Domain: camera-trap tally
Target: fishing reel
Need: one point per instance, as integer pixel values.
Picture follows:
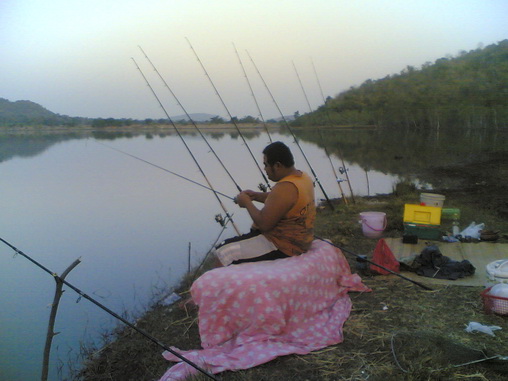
(262, 187)
(343, 170)
(221, 220)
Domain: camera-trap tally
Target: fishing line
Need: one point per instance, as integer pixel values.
(114, 314)
(292, 133)
(321, 137)
(228, 216)
(252, 93)
(167, 170)
(232, 198)
(263, 188)
(195, 272)
(190, 119)
(341, 156)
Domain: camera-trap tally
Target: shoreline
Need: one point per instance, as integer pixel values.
(160, 128)
(178, 326)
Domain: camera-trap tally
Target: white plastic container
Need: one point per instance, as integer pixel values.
(432, 199)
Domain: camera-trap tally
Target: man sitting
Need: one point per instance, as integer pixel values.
(284, 226)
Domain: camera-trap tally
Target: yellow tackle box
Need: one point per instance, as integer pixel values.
(420, 214)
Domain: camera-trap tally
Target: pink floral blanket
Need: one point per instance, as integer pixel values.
(252, 313)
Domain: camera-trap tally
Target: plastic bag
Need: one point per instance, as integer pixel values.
(488, 329)
(473, 230)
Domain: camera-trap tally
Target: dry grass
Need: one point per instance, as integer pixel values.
(397, 332)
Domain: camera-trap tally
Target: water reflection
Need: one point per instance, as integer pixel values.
(65, 196)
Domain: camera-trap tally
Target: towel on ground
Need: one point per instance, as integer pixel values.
(252, 313)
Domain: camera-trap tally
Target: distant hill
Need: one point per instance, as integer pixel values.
(27, 113)
(198, 117)
(19, 109)
(467, 91)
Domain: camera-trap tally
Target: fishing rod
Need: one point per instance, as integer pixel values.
(228, 216)
(109, 311)
(341, 156)
(363, 259)
(252, 93)
(321, 137)
(232, 198)
(292, 133)
(167, 170)
(265, 186)
(190, 119)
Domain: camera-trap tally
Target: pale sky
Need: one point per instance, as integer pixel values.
(74, 57)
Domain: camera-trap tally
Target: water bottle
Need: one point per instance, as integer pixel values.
(455, 229)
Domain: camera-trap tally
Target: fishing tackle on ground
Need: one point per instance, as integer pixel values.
(293, 134)
(341, 156)
(190, 119)
(321, 138)
(253, 96)
(229, 114)
(114, 314)
(186, 146)
(363, 259)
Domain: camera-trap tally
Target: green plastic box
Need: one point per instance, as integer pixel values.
(450, 214)
(430, 232)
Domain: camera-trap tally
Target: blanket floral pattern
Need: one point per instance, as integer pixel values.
(252, 313)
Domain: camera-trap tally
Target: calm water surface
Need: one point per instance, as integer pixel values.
(130, 223)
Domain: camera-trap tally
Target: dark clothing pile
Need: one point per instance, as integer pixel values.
(431, 263)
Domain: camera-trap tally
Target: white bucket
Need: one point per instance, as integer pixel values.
(373, 224)
(432, 199)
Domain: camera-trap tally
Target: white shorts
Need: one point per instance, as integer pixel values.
(249, 247)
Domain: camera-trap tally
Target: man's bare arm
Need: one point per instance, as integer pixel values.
(277, 203)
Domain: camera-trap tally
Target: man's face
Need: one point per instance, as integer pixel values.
(269, 169)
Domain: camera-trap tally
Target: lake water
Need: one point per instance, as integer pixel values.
(130, 223)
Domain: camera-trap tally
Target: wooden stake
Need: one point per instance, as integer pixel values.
(52, 317)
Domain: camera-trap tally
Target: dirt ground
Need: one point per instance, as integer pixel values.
(398, 331)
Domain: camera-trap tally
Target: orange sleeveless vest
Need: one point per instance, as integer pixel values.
(294, 233)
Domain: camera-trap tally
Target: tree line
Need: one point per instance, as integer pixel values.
(468, 91)
(27, 113)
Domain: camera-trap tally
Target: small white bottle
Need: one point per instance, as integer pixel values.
(455, 229)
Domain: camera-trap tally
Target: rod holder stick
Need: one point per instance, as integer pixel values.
(112, 313)
(52, 318)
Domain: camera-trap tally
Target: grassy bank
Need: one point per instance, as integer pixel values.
(397, 332)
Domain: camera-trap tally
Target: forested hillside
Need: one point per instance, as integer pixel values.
(469, 91)
(26, 113)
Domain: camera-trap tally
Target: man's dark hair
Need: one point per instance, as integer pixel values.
(279, 152)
